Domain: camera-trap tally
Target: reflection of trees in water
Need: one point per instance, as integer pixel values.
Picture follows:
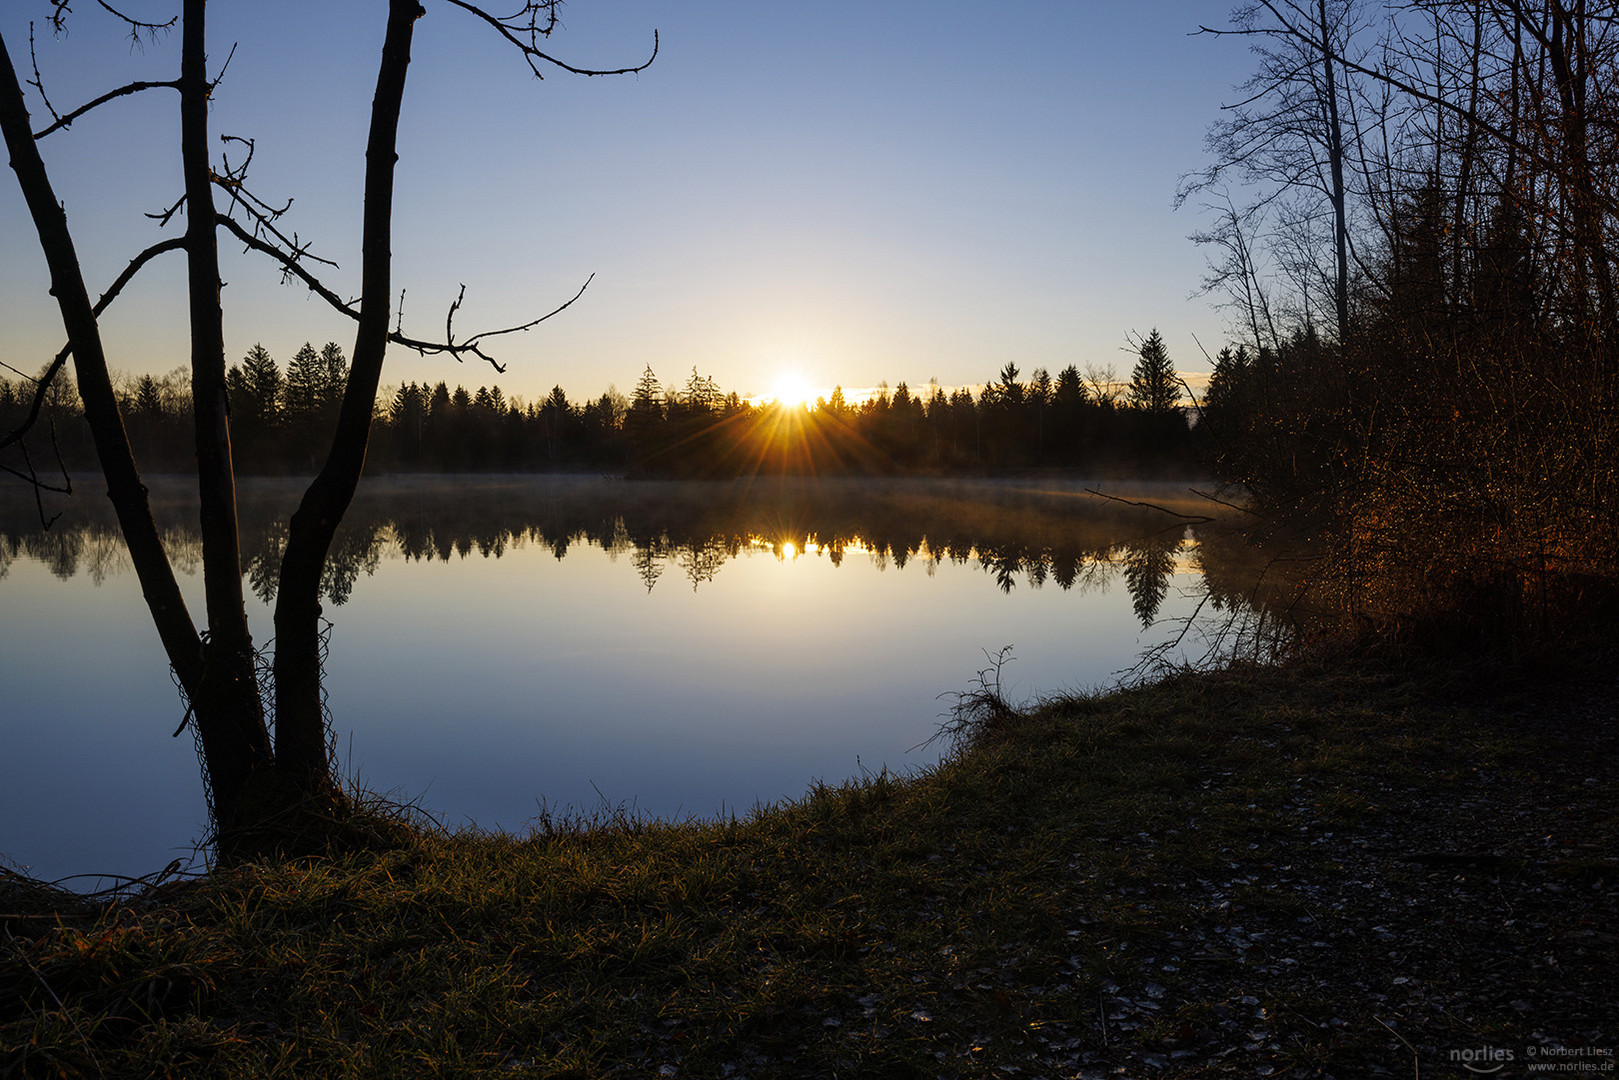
(648, 563)
(702, 559)
(1016, 534)
(1148, 564)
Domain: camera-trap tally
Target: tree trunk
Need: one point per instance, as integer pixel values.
(233, 748)
(300, 723)
(228, 711)
(1335, 163)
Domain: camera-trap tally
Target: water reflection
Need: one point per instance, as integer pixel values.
(1020, 534)
(686, 647)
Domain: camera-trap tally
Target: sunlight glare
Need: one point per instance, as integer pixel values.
(791, 389)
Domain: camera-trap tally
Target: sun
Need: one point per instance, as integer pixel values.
(791, 390)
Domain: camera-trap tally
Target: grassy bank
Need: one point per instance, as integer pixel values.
(1313, 871)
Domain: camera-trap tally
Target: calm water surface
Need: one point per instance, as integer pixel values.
(502, 644)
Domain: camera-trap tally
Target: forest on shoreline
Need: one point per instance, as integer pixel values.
(282, 420)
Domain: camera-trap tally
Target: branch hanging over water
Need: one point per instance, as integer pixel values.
(1196, 519)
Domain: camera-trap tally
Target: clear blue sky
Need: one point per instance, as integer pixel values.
(894, 190)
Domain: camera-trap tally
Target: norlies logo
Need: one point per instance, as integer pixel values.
(1483, 1060)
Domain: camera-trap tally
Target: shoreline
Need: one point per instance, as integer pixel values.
(1333, 868)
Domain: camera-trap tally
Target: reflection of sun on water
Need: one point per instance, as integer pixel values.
(788, 550)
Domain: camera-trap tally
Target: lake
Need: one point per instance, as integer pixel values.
(503, 644)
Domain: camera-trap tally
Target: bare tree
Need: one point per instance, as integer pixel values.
(262, 792)
(1101, 382)
(1468, 455)
(1236, 271)
(1294, 131)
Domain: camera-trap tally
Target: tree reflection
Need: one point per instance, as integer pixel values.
(1020, 536)
(701, 560)
(648, 565)
(1148, 564)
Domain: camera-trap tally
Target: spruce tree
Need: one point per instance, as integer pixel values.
(1154, 386)
(646, 406)
(334, 376)
(263, 387)
(306, 381)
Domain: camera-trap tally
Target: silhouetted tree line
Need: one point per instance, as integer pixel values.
(278, 418)
(694, 430)
(1425, 281)
(1011, 423)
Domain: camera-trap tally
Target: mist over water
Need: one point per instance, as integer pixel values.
(499, 644)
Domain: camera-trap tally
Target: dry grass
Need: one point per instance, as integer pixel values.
(1145, 880)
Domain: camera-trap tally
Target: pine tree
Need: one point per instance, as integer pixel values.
(702, 394)
(1228, 383)
(1071, 414)
(334, 376)
(237, 393)
(555, 416)
(1070, 387)
(306, 381)
(837, 406)
(1154, 386)
(148, 402)
(646, 406)
(263, 388)
(1009, 393)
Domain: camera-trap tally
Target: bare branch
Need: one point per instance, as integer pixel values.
(475, 338)
(514, 30)
(1223, 502)
(43, 383)
(217, 79)
(31, 478)
(449, 318)
(291, 265)
(138, 29)
(163, 217)
(111, 95)
(1195, 519)
(264, 216)
(38, 82)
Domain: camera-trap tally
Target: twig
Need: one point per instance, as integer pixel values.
(1416, 1061)
(513, 31)
(289, 263)
(1195, 519)
(111, 95)
(1222, 502)
(44, 381)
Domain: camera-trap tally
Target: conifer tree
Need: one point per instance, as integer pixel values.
(334, 376)
(262, 385)
(306, 384)
(1154, 387)
(646, 406)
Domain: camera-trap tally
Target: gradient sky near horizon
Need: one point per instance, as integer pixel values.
(899, 191)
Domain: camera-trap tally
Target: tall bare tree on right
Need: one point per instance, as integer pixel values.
(1461, 428)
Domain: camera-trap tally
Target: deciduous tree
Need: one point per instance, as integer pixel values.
(256, 785)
